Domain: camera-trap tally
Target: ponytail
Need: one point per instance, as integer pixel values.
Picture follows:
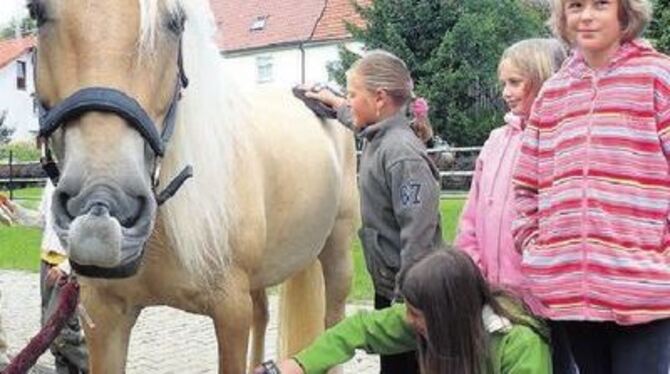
(418, 112)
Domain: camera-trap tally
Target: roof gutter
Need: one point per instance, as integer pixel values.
(283, 45)
(303, 62)
(301, 46)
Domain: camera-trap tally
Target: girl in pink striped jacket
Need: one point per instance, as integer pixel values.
(484, 230)
(592, 188)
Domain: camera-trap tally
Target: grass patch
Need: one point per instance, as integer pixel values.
(19, 246)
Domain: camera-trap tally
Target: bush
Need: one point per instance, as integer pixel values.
(21, 152)
(659, 32)
(452, 48)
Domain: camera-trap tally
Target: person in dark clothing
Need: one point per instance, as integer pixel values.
(398, 182)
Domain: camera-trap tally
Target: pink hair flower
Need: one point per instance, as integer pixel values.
(420, 108)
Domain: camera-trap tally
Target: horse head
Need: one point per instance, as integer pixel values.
(108, 77)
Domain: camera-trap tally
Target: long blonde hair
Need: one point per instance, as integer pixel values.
(537, 59)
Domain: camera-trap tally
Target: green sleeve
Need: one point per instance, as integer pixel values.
(522, 351)
(382, 331)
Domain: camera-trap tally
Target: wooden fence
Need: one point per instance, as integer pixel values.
(455, 175)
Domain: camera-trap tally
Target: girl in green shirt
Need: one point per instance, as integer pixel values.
(457, 323)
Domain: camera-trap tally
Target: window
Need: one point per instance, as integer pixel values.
(264, 69)
(20, 75)
(258, 24)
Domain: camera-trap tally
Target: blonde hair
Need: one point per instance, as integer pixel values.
(537, 59)
(382, 70)
(634, 16)
(422, 129)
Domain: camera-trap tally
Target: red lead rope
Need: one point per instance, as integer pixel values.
(67, 304)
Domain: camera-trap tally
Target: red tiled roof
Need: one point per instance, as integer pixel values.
(332, 24)
(288, 21)
(11, 49)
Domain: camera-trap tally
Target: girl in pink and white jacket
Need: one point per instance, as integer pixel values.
(592, 189)
(484, 230)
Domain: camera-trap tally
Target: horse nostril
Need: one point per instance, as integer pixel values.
(62, 199)
(139, 209)
(99, 209)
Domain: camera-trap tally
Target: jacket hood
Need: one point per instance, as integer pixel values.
(577, 67)
(517, 122)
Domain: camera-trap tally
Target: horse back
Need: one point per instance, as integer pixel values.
(304, 177)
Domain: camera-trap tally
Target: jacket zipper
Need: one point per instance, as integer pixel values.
(585, 173)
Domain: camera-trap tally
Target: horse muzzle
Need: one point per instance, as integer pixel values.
(106, 237)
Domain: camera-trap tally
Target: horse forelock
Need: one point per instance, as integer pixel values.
(150, 19)
(209, 134)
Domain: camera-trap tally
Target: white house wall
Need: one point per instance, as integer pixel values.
(286, 73)
(18, 103)
(286, 64)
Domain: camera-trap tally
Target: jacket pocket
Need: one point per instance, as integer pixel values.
(379, 262)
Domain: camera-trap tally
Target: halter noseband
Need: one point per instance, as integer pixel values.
(111, 100)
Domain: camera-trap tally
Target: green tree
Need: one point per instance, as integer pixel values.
(659, 30)
(26, 27)
(452, 48)
(22, 151)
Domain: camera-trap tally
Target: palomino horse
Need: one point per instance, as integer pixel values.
(273, 194)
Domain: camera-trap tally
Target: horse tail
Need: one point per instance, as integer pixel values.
(301, 310)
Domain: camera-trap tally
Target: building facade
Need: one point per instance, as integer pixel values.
(283, 43)
(17, 87)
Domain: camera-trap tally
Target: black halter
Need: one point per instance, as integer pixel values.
(105, 99)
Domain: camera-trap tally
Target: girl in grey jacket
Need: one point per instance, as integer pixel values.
(399, 184)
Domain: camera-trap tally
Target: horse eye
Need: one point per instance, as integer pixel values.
(176, 22)
(37, 12)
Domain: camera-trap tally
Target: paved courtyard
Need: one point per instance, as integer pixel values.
(164, 340)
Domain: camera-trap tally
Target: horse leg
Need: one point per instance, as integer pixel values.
(337, 269)
(232, 314)
(259, 326)
(108, 340)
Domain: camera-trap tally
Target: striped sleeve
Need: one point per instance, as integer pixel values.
(526, 183)
(662, 97)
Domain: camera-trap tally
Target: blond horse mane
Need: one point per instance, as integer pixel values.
(196, 221)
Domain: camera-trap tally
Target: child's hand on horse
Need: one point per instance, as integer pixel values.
(325, 95)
